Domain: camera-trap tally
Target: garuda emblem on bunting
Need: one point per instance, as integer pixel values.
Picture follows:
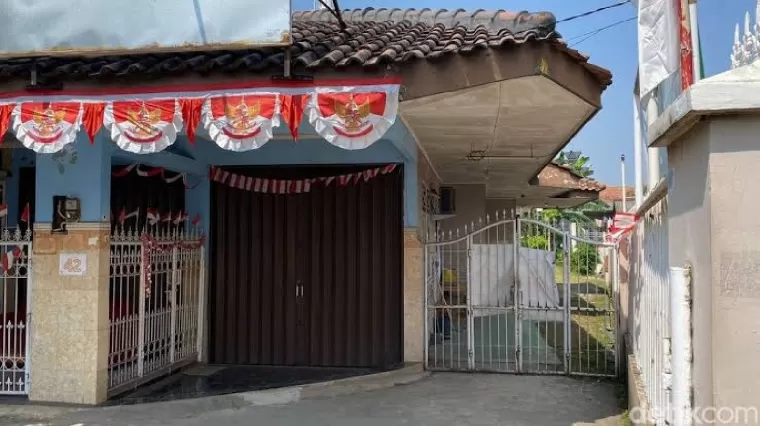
(242, 122)
(47, 127)
(353, 120)
(143, 127)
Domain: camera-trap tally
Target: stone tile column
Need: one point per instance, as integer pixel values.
(69, 313)
(70, 336)
(414, 297)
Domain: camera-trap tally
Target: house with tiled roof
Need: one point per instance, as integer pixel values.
(613, 197)
(261, 203)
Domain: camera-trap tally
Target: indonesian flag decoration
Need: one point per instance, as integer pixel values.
(241, 122)
(352, 119)
(153, 216)
(10, 258)
(167, 217)
(293, 186)
(3, 210)
(622, 223)
(143, 127)
(123, 215)
(180, 218)
(46, 127)
(196, 220)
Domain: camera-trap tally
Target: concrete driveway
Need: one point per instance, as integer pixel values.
(441, 399)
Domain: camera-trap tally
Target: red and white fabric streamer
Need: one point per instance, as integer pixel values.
(348, 114)
(622, 223)
(354, 119)
(156, 171)
(293, 186)
(149, 245)
(10, 258)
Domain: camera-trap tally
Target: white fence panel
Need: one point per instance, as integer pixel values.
(15, 313)
(157, 281)
(649, 313)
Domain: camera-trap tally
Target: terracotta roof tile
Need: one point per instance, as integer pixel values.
(371, 38)
(577, 182)
(615, 193)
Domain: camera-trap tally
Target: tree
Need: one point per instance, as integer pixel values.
(579, 163)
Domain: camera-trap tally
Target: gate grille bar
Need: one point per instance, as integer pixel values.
(520, 296)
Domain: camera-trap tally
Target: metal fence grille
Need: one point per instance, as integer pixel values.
(519, 295)
(649, 315)
(15, 286)
(157, 281)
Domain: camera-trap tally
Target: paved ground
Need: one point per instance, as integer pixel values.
(441, 399)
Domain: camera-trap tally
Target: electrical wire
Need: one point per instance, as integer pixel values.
(585, 36)
(592, 12)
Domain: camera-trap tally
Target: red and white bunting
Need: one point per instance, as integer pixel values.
(3, 210)
(143, 127)
(241, 122)
(47, 127)
(180, 218)
(293, 186)
(153, 216)
(10, 258)
(350, 115)
(123, 215)
(196, 220)
(622, 223)
(156, 171)
(353, 119)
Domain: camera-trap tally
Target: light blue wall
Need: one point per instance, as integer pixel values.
(89, 178)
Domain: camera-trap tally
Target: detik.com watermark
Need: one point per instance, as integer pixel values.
(700, 415)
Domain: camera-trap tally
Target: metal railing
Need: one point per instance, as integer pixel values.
(15, 286)
(648, 300)
(520, 296)
(157, 283)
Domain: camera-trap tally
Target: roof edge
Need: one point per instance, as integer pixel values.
(499, 19)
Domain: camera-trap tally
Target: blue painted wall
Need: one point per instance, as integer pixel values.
(83, 172)
(88, 177)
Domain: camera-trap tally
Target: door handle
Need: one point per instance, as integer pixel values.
(299, 288)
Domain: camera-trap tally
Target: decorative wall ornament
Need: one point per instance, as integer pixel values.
(746, 46)
(348, 114)
(67, 155)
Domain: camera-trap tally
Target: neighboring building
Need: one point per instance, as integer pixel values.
(613, 197)
(299, 242)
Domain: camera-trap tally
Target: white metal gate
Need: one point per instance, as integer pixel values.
(156, 305)
(15, 313)
(560, 318)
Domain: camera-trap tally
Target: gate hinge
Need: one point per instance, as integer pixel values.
(469, 253)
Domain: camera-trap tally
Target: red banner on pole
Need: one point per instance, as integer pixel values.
(687, 50)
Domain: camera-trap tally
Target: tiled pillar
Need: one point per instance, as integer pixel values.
(414, 302)
(69, 313)
(70, 316)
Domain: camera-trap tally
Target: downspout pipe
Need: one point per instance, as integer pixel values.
(680, 346)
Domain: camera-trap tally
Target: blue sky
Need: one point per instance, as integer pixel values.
(610, 133)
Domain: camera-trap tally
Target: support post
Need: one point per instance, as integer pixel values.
(696, 53)
(653, 153)
(638, 144)
(70, 330)
(680, 344)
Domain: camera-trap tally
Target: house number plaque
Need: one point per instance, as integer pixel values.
(72, 264)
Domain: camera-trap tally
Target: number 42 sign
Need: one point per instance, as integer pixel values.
(72, 264)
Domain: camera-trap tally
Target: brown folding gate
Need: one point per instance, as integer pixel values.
(310, 279)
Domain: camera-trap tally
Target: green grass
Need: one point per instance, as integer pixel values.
(591, 340)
